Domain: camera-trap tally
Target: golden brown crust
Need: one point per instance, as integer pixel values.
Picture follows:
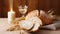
(32, 13)
(45, 18)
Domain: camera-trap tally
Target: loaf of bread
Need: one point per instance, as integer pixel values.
(31, 19)
(32, 13)
(45, 18)
(31, 24)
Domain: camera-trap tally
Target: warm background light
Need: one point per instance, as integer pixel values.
(32, 4)
(11, 10)
(11, 4)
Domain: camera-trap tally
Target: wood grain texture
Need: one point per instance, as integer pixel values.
(5, 7)
(44, 5)
(55, 5)
(1, 8)
(32, 5)
(15, 6)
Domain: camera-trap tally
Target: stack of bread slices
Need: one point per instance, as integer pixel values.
(34, 20)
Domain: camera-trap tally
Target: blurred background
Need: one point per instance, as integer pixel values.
(32, 5)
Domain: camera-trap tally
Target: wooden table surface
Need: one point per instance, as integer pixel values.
(4, 25)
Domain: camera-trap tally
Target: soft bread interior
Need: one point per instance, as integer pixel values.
(32, 13)
(26, 24)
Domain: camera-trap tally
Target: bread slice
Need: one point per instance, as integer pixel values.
(26, 24)
(32, 13)
(33, 22)
(37, 22)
